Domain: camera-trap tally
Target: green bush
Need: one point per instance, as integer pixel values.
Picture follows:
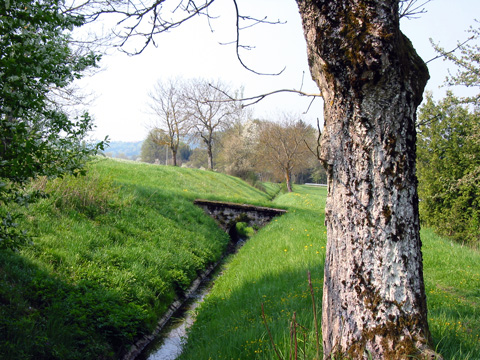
(448, 162)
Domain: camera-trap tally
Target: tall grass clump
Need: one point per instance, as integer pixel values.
(91, 194)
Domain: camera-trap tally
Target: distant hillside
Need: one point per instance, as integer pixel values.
(124, 149)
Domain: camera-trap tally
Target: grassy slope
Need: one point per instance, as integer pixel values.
(112, 250)
(101, 271)
(271, 269)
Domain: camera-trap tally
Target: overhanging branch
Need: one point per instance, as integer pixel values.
(257, 98)
(237, 41)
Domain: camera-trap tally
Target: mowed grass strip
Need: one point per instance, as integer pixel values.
(111, 252)
(452, 282)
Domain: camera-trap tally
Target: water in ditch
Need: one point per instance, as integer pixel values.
(169, 344)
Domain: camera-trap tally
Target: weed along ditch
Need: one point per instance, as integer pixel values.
(167, 341)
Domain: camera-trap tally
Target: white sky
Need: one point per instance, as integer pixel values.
(192, 50)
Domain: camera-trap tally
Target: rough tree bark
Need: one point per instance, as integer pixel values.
(372, 81)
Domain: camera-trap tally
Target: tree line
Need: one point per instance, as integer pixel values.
(200, 114)
(448, 151)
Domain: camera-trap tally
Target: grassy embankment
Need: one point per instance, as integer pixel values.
(112, 251)
(102, 271)
(271, 269)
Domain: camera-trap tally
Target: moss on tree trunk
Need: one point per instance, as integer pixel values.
(372, 81)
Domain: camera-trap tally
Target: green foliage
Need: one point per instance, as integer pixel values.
(448, 161)
(36, 137)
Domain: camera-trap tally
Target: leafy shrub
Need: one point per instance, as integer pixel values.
(448, 162)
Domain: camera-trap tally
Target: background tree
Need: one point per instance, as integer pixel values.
(167, 102)
(152, 152)
(237, 149)
(36, 136)
(448, 162)
(209, 111)
(319, 175)
(198, 158)
(282, 148)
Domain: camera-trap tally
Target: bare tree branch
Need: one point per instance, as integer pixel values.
(238, 45)
(257, 98)
(148, 18)
(410, 10)
(319, 137)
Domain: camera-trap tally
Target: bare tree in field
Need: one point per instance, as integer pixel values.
(372, 81)
(168, 105)
(282, 148)
(208, 111)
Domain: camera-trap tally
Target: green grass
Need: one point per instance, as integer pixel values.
(186, 183)
(113, 249)
(452, 282)
(111, 252)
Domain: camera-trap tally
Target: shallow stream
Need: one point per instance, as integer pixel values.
(169, 344)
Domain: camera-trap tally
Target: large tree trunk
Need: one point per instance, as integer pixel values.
(372, 81)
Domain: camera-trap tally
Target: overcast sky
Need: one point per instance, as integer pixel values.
(193, 50)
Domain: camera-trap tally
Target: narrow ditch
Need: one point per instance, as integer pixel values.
(171, 334)
(168, 345)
